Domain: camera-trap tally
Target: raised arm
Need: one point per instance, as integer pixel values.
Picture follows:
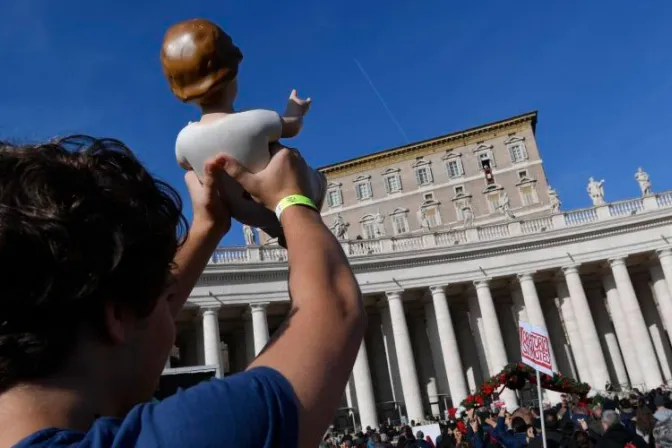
(316, 348)
(292, 120)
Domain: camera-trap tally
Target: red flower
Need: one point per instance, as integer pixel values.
(480, 400)
(470, 398)
(452, 412)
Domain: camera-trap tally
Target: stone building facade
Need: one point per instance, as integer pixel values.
(444, 300)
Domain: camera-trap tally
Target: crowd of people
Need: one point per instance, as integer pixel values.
(634, 421)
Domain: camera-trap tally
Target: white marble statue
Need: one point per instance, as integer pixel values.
(339, 228)
(424, 222)
(468, 216)
(379, 220)
(596, 191)
(250, 238)
(642, 178)
(554, 200)
(505, 205)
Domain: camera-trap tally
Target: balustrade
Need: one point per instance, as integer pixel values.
(459, 236)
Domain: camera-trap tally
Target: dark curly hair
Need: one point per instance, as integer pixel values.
(82, 223)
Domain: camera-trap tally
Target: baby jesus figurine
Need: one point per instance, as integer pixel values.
(201, 64)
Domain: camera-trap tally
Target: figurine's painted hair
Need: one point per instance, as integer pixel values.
(82, 223)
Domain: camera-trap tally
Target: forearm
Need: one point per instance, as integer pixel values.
(291, 126)
(191, 259)
(317, 347)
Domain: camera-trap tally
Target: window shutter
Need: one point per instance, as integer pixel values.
(401, 186)
(387, 184)
(330, 202)
(418, 179)
(429, 173)
(340, 197)
(492, 159)
(358, 191)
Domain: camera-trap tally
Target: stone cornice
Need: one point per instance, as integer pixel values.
(249, 272)
(425, 147)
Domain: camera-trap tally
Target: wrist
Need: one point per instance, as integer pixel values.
(206, 227)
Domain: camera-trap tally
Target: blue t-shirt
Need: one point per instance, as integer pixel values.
(252, 409)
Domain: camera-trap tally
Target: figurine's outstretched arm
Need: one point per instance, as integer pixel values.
(292, 120)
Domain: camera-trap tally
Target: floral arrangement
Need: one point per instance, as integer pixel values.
(515, 376)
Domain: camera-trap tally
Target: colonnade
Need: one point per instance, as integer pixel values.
(601, 333)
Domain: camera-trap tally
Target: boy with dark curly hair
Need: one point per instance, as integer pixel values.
(96, 263)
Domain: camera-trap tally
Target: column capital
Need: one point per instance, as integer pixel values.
(209, 310)
(664, 252)
(482, 283)
(526, 276)
(438, 289)
(616, 261)
(570, 269)
(394, 295)
(258, 307)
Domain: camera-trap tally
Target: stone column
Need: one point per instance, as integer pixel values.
(519, 310)
(589, 337)
(571, 325)
(636, 325)
(655, 326)
(536, 317)
(211, 339)
(620, 322)
(259, 326)
(665, 257)
(493, 335)
(364, 389)
(661, 289)
(607, 334)
(476, 326)
(405, 359)
(449, 349)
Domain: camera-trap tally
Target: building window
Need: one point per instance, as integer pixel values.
(428, 196)
(459, 190)
(400, 221)
(522, 174)
(392, 183)
(517, 150)
(363, 187)
(493, 201)
(454, 165)
(528, 195)
(423, 171)
(485, 159)
(460, 206)
(432, 216)
(429, 210)
(423, 175)
(368, 227)
(334, 197)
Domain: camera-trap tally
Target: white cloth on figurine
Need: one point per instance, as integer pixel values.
(243, 135)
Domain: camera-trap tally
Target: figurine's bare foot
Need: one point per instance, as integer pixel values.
(297, 107)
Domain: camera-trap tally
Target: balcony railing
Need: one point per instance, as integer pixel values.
(461, 235)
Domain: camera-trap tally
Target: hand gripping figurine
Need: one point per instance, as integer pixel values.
(201, 64)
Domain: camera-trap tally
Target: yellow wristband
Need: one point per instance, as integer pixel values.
(293, 199)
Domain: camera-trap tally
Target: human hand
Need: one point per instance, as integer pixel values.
(583, 424)
(285, 174)
(297, 107)
(474, 424)
(208, 207)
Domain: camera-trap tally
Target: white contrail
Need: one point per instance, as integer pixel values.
(382, 101)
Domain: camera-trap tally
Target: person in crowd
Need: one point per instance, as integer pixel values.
(420, 441)
(616, 434)
(581, 439)
(95, 265)
(662, 433)
(662, 413)
(554, 437)
(385, 441)
(644, 423)
(627, 412)
(511, 432)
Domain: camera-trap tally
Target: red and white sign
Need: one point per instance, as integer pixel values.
(535, 347)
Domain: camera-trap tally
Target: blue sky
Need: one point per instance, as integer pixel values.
(598, 72)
